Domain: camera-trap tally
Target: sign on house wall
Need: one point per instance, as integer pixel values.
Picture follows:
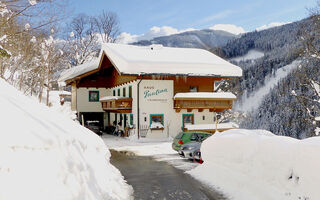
(156, 92)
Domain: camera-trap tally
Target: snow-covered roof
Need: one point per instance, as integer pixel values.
(205, 95)
(156, 59)
(211, 126)
(106, 98)
(159, 60)
(79, 70)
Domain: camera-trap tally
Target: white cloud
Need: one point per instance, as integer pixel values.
(229, 28)
(215, 16)
(155, 31)
(271, 25)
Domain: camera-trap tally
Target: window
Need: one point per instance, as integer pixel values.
(130, 91)
(187, 119)
(119, 92)
(156, 121)
(124, 92)
(93, 96)
(114, 92)
(193, 89)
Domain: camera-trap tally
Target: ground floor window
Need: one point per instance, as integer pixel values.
(187, 119)
(156, 121)
(93, 96)
(131, 119)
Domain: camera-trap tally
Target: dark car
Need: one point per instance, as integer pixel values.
(94, 126)
(186, 137)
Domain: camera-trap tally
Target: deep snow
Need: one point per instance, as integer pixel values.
(256, 164)
(45, 155)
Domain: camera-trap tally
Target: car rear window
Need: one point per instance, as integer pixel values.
(179, 136)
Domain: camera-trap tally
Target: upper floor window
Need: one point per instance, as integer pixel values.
(114, 92)
(130, 91)
(93, 96)
(124, 92)
(119, 92)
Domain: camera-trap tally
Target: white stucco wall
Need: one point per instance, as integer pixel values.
(83, 104)
(151, 102)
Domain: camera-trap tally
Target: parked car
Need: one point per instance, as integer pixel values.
(94, 126)
(186, 137)
(197, 156)
(187, 150)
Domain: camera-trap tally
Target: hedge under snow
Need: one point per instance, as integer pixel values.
(44, 155)
(256, 164)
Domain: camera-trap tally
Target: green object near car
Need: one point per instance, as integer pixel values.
(185, 137)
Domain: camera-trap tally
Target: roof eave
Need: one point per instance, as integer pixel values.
(191, 75)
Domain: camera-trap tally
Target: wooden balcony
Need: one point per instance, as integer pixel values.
(116, 104)
(215, 102)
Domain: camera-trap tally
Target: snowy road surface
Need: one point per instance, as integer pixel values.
(153, 179)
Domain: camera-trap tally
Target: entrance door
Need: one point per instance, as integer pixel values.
(187, 119)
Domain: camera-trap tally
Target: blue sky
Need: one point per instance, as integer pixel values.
(138, 16)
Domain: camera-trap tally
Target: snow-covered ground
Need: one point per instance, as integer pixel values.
(160, 150)
(256, 164)
(251, 55)
(45, 155)
(248, 104)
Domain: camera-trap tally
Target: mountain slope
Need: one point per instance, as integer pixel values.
(205, 39)
(278, 110)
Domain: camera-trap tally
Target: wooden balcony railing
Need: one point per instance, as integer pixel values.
(214, 103)
(117, 104)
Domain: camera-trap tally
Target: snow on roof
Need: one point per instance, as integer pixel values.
(205, 95)
(106, 98)
(159, 60)
(211, 126)
(79, 70)
(156, 59)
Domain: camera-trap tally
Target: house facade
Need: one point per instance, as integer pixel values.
(150, 91)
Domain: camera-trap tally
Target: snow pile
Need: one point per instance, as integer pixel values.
(220, 126)
(64, 109)
(256, 164)
(45, 155)
(155, 125)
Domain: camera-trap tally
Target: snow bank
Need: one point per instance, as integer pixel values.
(255, 164)
(45, 155)
(230, 125)
(55, 105)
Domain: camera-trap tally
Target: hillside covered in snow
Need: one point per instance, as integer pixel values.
(45, 155)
